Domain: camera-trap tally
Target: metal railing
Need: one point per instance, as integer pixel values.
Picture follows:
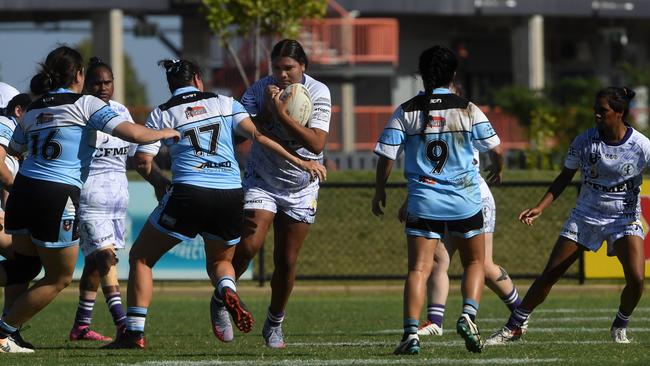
(370, 121)
(335, 41)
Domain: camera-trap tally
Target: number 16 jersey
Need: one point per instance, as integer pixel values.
(438, 133)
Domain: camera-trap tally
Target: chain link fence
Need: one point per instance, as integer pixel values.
(348, 242)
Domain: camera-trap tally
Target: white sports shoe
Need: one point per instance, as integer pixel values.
(524, 326)
(273, 336)
(11, 347)
(429, 329)
(221, 326)
(503, 336)
(619, 335)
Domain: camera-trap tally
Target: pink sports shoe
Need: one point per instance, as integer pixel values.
(87, 334)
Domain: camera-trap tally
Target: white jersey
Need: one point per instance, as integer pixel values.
(7, 126)
(485, 189)
(611, 175)
(273, 169)
(7, 92)
(105, 193)
(111, 152)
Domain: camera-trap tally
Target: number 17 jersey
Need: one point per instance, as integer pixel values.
(438, 133)
(205, 155)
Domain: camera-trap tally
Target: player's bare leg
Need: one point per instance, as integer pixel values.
(256, 225)
(225, 301)
(437, 291)
(148, 248)
(630, 252)
(564, 254)
(472, 256)
(289, 236)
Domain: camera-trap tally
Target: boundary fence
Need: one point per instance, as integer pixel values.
(348, 243)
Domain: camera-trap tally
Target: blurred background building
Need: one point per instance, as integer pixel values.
(366, 51)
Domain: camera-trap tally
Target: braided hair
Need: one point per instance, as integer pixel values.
(180, 73)
(437, 66)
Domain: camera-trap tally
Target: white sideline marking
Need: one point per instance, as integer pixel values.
(611, 310)
(433, 343)
(532, 329)
(353, 361)
(549, 319)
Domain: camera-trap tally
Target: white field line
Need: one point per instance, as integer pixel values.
(532, 329)
(433, 343)
(353, 361)
(563, 318)
(611, 310)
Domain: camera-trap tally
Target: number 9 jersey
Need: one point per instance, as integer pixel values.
(438, 133)
(205, 155)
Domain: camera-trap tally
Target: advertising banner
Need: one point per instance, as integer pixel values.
(186, 261)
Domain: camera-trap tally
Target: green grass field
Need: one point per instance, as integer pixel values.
(346, 324)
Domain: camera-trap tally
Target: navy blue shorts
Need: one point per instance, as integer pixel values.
(45, 210)
(435, 229)
(187, 210)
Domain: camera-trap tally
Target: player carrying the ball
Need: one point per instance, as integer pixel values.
(276, 191)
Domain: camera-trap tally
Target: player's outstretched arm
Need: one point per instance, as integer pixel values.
(529, 215)
(133, 132)
(316, 169)
(150, 171)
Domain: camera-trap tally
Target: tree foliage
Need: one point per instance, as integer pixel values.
(553, 117)
(229, 19)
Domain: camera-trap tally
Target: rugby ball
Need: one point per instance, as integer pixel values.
(298, 103)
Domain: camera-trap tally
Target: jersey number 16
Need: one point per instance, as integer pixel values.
(50, 149)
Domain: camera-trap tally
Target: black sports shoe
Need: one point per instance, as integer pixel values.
(127, 340)
(20, 341)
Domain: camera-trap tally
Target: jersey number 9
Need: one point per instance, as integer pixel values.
(437, 152)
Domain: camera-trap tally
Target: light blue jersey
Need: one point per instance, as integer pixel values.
(58, 132)
(205, 155)
(7, 126)
(438, 133)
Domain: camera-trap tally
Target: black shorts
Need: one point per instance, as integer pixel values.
(45, 210)
(186, 211)
(435, 229)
